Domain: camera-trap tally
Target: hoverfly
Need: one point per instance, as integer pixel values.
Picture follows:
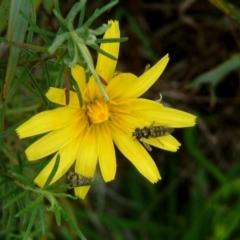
(77, 180)
(151, 132)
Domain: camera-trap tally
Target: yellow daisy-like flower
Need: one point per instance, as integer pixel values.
(86, 134)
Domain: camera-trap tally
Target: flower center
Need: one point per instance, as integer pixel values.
(97, 111)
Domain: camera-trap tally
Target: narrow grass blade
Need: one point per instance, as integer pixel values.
(52, 174)
(42, 219)
(57, 214)
(16, 198)
(4, 13)
(99, 50)
(16, 84)
(215, 75)
(72, 224)
(30, 224)
(16, 31)
(98, 12)
(31, 206)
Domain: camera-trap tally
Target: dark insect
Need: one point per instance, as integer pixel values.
(77, 180)
(151, 132)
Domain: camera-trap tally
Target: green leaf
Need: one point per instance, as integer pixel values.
(61, 19)
(11, 216)
(47, 75)
(22, 179)
(60, 76)
(53, 172)
(17, 111)
(227, 8)
(8, 152)
(99, 50)
(57, 187)
(2, 126)
(30, 224)
(61, 57)
(16, 198)
(28, 47)
(42, 219)
(74, 11)
(4, 216)
(98, 12)
(41, 31)
(57, 214)
(111, 40)
(4, 13)
(16, 31)
(51, 199)
(56, 4)
(58, 41)
(35, 26)
(96, 182)
(34, 19)
(64, 195)
(82, 14)
(78, 91)
(32, 205)
(20, 163)
(72, 224)
(16, 84)
(25, 218)
(215, 75)
(73, 53)
(40, 91)
(25, 47)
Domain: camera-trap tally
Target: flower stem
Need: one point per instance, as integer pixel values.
(88, 59)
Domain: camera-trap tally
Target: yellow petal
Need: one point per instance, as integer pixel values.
(137, 154)
(148, 78)
(54, 141)
(122, 86)
(92, 91)
(81, 192)
(78, 74)
(48, 121)
(106, 66)
(58, 96)
(68, 155)
(152, 111)
(107, 158)
(168, 143)
(126, 121)
(175, 118)
(87, 159)
(126, 85)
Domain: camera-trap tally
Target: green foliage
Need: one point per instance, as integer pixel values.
(23, 200)
(198, 197)
(77, 52)
(4, 12)
(227, 8)
(16, 31)
(214, 76)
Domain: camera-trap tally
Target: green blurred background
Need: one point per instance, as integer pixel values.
(198, 196)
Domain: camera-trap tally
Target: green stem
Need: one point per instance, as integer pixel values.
(87, 57)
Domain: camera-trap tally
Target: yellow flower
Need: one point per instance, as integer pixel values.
(86, 134)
